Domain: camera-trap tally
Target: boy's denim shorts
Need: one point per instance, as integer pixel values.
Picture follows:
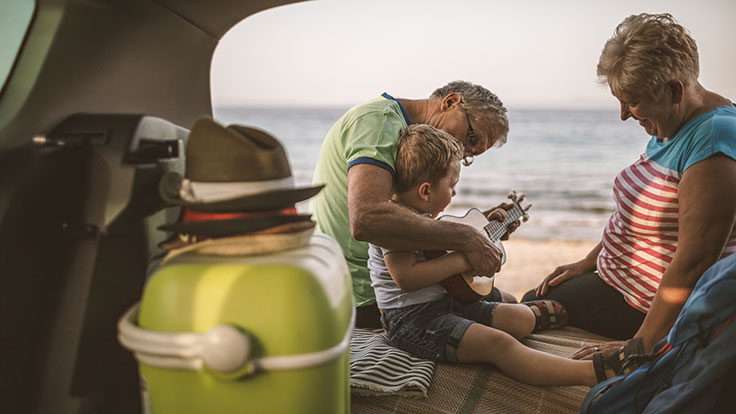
(433, 330)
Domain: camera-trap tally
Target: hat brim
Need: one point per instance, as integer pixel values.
(232, 227)
(277, 199)
(248, 244)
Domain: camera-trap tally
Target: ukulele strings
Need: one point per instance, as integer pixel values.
(496, 229)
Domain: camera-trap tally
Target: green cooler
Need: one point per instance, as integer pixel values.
(245, 334)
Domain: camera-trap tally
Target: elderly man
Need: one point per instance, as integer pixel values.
(357, 164)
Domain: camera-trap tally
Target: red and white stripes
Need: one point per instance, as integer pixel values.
(640, 238)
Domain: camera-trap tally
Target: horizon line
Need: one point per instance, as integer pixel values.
(548, 107)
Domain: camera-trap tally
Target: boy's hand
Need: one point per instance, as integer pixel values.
(499, 214)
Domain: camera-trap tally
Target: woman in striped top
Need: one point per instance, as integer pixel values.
(675, 206)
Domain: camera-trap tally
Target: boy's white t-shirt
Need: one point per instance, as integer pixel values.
(388, 294)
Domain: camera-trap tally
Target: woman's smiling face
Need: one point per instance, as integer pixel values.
(656, 115)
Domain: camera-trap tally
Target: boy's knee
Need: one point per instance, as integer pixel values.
(518, 320)
(526, 321)
(483, 344)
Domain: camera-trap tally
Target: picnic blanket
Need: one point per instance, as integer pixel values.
(480, 388)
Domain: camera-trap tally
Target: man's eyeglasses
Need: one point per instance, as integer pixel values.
(471, 141)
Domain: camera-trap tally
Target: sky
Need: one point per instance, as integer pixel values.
(533, 54)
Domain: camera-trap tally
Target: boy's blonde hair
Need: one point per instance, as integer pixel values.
(424, 153)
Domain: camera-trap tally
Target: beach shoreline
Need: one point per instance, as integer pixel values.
(529, 261)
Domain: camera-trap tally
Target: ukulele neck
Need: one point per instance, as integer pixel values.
(496, 229)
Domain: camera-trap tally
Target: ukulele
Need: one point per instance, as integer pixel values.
(468, 289)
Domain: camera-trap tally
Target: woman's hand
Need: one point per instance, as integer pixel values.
(605, 349)
(569, 271)
(563, 273)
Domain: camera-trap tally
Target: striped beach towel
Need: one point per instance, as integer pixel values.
(377, 368)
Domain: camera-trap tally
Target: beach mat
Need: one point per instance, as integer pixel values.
(479, 388)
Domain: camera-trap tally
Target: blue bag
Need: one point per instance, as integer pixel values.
(692, 369)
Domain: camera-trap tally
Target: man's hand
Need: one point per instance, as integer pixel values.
(485, 259)
(499, 213)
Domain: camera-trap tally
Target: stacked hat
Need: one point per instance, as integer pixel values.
(237, 193)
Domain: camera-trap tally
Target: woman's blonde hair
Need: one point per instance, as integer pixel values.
(424, 153)
(645, 53)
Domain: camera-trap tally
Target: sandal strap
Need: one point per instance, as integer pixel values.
(599, 367)
(635, 355)
(549, 314)
(627, 358)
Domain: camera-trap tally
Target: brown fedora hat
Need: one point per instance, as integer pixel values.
(234, 168)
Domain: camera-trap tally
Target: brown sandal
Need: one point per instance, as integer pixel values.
(549, 314)
(622, 362)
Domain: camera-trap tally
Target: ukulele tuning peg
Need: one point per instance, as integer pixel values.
(521, 197)
(512, 195)
(525, 218)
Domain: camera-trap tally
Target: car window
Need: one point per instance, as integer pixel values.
(15, 16)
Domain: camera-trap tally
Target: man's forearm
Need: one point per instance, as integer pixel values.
(373, 218)
(396, 227)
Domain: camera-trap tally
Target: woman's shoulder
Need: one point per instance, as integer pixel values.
(723, 132)
(716, 135)
(709, 133)
(724, 135)
(724, 120)
(716, 124)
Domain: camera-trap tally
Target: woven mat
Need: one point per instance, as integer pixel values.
(476, 388)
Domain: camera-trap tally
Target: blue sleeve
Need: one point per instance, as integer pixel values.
(724, 135)
(371, 161)
(718, 136)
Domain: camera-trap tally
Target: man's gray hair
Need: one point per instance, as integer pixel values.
(479, 99)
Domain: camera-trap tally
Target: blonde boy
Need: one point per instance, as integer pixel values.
(418, 315)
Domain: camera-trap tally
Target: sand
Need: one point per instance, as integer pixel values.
(529, 261)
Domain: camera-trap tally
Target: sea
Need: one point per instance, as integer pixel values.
(563, 161)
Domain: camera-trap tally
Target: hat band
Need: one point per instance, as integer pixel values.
(201, 192)
(189, 215)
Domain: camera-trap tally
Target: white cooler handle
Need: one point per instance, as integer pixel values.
(224, 349)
